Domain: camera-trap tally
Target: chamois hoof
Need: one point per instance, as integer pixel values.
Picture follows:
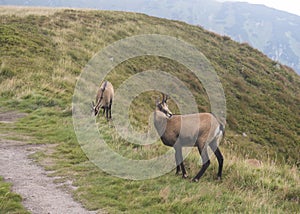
(219, 178)
(184, 176)
(195, 180)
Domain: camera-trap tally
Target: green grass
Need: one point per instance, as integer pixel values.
(10, 202)
(42, 55)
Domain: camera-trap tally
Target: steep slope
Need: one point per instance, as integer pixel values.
(44, 52)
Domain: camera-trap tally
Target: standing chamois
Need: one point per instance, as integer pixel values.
(104, 99)
(198, 130)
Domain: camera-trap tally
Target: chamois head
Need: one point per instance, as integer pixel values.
(99, 98)
(94, 109)
(163, 106)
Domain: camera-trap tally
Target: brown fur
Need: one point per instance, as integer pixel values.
(195, 126)
(104, 99)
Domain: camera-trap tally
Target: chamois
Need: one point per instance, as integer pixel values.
(104, 99)
(197, 130)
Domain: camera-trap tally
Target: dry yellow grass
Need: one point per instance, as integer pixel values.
(25, 11)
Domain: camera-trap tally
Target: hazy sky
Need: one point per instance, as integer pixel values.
(291, 6)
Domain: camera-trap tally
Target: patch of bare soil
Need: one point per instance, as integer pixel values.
(41, 195)
(10, 116)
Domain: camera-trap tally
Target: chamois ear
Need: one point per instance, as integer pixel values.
(157, 101)
(167, 97)
(163, 98)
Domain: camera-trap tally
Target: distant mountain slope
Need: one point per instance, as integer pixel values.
(274, 32)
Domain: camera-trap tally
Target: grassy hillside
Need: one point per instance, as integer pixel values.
(43, 53)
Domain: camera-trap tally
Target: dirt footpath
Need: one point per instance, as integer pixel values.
(39, 192)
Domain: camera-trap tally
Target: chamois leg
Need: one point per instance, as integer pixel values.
(110, 104)
(106, 111)
(177, 169)
(109, 111)
(220, 160)
(179, 161)
(219, 156)
(205, 161)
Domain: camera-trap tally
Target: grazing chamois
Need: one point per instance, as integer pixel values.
(198, 130)
(104, 99)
